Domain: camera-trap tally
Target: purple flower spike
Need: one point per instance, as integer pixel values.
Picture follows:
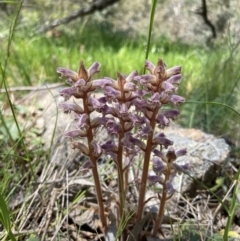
(158, 165)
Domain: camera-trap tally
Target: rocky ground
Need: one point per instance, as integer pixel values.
(57, 209)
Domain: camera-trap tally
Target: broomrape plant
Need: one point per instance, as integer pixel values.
(129, 109)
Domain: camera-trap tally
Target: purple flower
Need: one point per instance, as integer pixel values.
(155, 178)
(181, 152)
(98, 121)
(181, 168)
(93, 69)
(113, 128)
(82, 121)
(139, 120)
(67, 74)
(173, 71)
(97, 105)
(112, 93)
(146, 79)
(158, 153)
(158, 165)
(80, 83)
(150, 66)
(72, 77)
(102, 82)
(82, 147)
(109, 146)
(129, 86)
(144, 131)
(140, 104)
(167, 87)
(68, 107)
(71, 91)
(176, 99)
(169, 187)
(161, 140)
(154, 100)
(131, 76)
(97, 150)
(162, 120)
(171, 114)
(175, 79)
(75, 133)
(124, 114)
(86, 166)
(129, 142)
(171, 155)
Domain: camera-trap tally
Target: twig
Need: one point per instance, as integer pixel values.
(96, 6)
(49, 213)
(204, 14)
(32, 88)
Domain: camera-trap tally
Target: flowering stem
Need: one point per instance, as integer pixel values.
(94, 168)
(120, 179)
(162, 203)
(142, 188)
(99, 193)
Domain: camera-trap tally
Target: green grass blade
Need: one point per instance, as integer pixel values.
(232, 207)
(5, 218)
(214, 103)
(152, 14)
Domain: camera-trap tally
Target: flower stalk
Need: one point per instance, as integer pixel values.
(129, 110)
